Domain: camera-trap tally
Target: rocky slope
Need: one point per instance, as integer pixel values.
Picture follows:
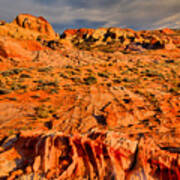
(88, 104)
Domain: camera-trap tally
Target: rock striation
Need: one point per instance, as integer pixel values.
(96, 155)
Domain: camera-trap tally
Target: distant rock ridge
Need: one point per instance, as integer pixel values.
(26, 26)
(123, 38)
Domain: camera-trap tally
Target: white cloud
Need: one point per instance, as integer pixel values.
(171, 22)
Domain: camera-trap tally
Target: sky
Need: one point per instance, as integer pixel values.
(65, 14)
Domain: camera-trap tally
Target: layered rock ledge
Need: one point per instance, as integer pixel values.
(95, 155)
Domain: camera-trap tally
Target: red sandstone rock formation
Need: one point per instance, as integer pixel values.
(167, 31)
(96, 155)
(121, 37)
(15, 48)
(33, 23)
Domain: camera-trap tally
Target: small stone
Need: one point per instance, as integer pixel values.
(15, 174)
(28, 169)
(37, 163)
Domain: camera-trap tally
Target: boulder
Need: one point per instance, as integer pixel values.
(69, 33)
(2, 22)
(170, 45)
(99, 33)
(85, 32)
(118, 32)
(11, 48)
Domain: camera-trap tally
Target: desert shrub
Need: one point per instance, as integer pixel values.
(151, 73)
(36, 96)
(68, 67)
(51, 83)
(103, 74)
(117, 81)
(12, 72)
(45, 69)
(49, 124)
(45, 85)
(25, 76)
(17, 70)
(70, 73)
(89, 70)
(127, 80)
(17, 86)
(174, 90)
(169, 61)
(77, 80)
(12, 98)
(109, 84)
(11, 132)
(7, 73)
(43, 111)
(90, 80)
(63, 75)
(53, 91)
(4, 91)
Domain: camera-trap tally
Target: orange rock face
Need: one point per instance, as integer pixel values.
(38, 24)
(96, 155)
(70, 32)
(90, 104)
(16, 48)
(80, 32)
(167, 31)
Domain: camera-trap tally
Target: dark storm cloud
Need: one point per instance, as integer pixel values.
(46, 2)
(136, 14)
(81, 3)
(77, 24)
(94, 3)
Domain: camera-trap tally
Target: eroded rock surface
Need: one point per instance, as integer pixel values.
(95, 155)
